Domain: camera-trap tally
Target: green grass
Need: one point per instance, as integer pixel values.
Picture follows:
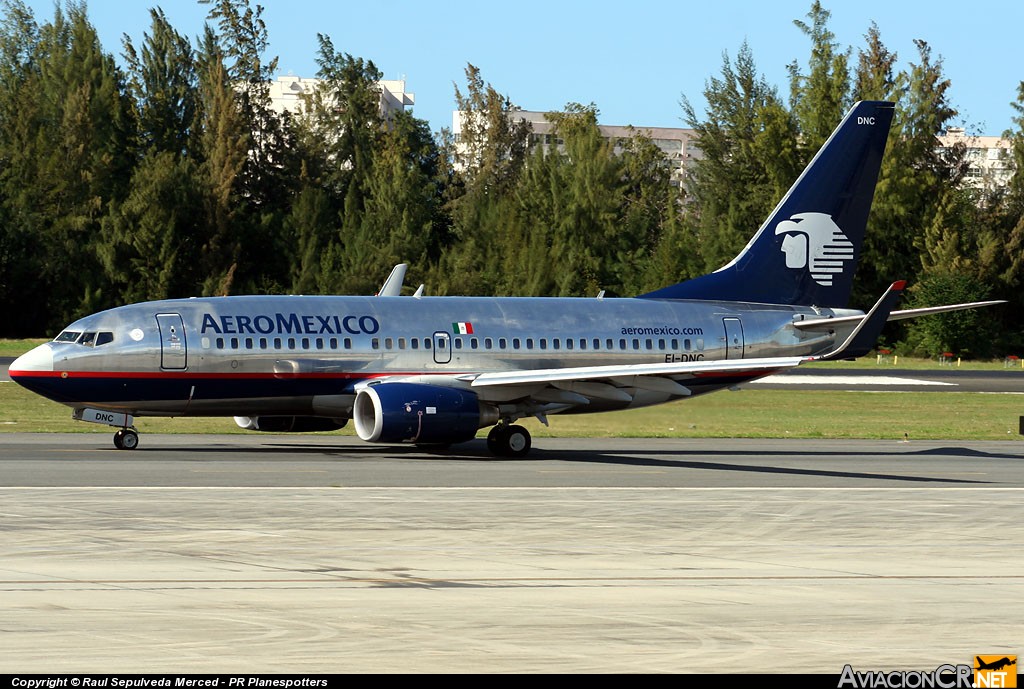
(743, 414)
(808, 414)
(873, 363)
(19, 347)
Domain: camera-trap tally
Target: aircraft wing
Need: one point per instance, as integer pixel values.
(583, 383)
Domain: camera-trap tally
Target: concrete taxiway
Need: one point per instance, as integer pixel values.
(319, 554)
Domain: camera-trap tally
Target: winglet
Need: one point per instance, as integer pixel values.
(392, 287)
(863, 338)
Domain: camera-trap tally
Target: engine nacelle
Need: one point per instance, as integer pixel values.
(416, 413)
(289, 424)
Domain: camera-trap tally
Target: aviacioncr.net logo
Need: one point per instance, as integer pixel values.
(814, 241)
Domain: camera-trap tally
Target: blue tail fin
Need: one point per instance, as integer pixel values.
(806, 252)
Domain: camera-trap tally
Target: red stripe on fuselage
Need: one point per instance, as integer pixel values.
(222, 376)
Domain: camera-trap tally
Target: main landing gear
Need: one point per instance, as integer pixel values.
(508, 441)
(126, 439)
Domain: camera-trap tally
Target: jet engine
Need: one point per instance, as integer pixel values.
(289, 424)
(417, 413)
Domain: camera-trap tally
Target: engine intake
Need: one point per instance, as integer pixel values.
(416, 413)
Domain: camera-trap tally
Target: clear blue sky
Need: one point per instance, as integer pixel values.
(632, 59)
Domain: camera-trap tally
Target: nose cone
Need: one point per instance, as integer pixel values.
(34, 361)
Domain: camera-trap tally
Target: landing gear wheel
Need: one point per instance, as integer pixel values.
(508, 441)
(518, 442)
(497, 439)
(126, 439)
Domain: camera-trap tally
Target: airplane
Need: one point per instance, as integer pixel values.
(996, 664)
(436, 370)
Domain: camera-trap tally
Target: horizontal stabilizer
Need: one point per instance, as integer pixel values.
(827, 323)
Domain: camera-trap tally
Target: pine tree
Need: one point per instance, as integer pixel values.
(749, 152)
(821, 98)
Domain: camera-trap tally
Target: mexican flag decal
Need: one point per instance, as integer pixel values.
(462, 328)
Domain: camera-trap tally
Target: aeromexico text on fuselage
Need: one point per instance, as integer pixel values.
(289, 324)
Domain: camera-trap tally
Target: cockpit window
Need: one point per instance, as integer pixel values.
(87, 339)
(104, 338)
(67, 336)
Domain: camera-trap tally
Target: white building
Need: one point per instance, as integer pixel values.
(678, 144)
(989, 157)
(286, 95)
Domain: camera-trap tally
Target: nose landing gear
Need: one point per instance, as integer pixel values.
(126, 439)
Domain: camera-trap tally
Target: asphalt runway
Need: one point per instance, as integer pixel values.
(319, 554)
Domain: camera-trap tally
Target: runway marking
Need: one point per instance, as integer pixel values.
(797, 379)
(258, 471)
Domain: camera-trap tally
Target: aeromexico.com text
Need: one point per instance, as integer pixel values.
(664, 330)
